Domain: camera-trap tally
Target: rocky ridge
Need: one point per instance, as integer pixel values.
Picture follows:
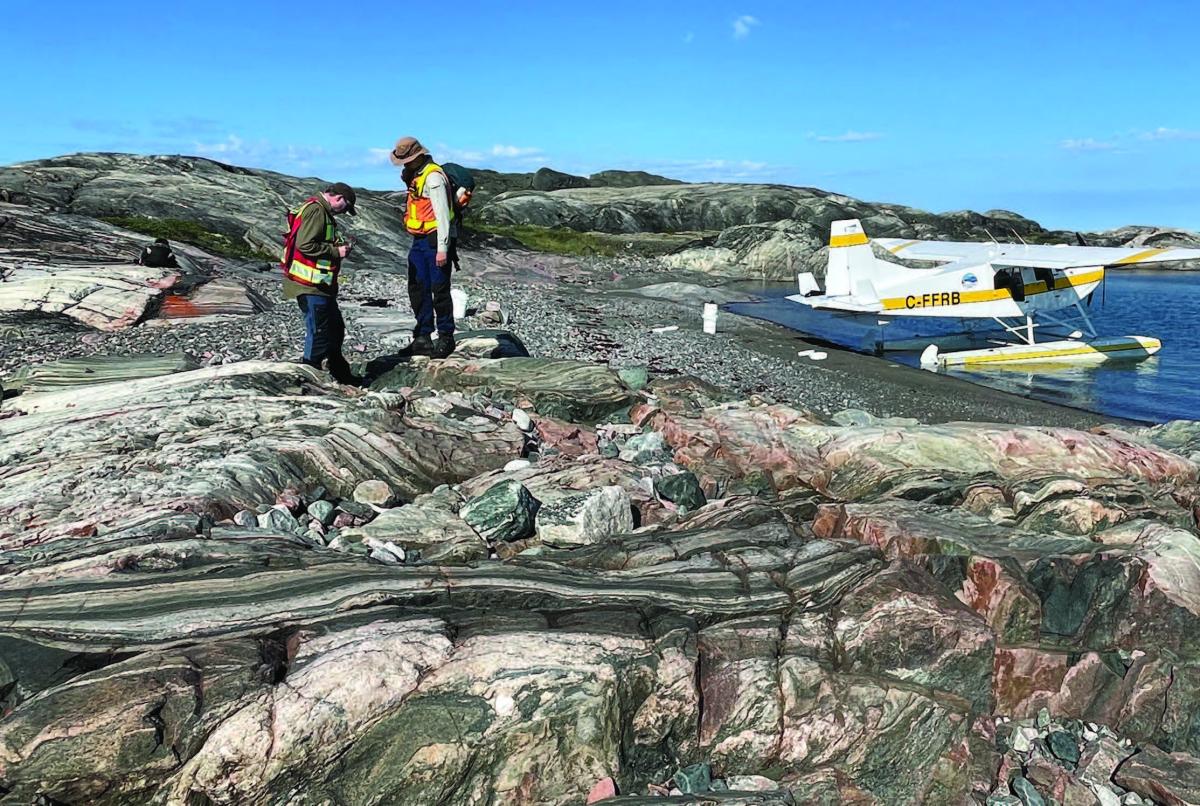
(742, 230)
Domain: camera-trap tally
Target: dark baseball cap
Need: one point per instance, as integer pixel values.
(346, 192)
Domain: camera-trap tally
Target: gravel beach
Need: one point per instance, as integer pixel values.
(585, 309)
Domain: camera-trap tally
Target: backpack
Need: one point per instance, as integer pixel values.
(462, 185)
(289, 237)
(158, 256)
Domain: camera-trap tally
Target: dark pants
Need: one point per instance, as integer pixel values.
(325, 330)
(429, 288)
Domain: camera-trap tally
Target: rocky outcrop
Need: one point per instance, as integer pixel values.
(67, 372)
(241, 628)
(246, 206)
(108, 293)
(508, 578)
(569, 389)
(492, 183)
(775, 231)
(61, 265)
(775, 250)
(754, 230)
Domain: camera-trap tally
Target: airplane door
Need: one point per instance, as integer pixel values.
(1011, 279)
(1019, 285)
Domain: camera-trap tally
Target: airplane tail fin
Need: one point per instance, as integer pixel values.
(852, 264)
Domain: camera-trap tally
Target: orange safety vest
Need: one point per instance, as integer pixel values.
(300, 267)
(419, 218)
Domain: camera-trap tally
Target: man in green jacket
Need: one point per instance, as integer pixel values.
(312, 261)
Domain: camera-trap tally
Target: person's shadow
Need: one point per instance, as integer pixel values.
(468, 344)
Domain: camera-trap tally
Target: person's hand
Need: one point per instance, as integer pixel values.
(344, 249)
(441, 259)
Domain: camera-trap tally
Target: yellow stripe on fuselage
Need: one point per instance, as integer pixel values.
(853, 239)
(991, 295)
(1139, 257)
(900, 246)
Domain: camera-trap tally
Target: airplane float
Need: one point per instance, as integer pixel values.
(1012, 284)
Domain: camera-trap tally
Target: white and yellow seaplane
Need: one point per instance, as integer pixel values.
(1012, 284)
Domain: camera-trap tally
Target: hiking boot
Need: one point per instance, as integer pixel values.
(421, 345)
(445, 346)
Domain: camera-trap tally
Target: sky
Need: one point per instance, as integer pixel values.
(1080, 115)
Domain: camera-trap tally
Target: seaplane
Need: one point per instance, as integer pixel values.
(1029, 291)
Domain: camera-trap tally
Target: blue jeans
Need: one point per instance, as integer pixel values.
(324, 332)
(429, 288)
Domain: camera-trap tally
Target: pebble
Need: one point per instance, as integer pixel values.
(279, 519)
(1062, 745)
(522, 420)
(291, 500)
(1026, 791)
(374, 491)
(322, 511)
(517, 464)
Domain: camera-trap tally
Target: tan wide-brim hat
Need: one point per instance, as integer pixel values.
(407, 149)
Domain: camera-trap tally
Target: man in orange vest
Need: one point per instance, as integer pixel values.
(312, 260)
(428, 217)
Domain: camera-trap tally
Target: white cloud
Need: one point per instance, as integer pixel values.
(848, 137)
(230, 145)
(290, 158)
(1163, 133)
(710, 170)
(514, 151)
(742, 26)
(469, 156)
(1087, 144)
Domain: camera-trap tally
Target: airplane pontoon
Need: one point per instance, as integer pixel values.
(1015, 285)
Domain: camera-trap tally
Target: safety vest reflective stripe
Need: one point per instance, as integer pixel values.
(304, 269)
(419, 218)
(312, 275)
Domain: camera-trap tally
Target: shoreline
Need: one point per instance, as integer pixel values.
(972, 396)
(593, 309)
(844, 380)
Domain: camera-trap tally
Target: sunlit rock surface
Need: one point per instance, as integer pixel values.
(504, 578)
(843, 591)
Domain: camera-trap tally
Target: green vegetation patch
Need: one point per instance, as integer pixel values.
(563, 241)
(175, 229)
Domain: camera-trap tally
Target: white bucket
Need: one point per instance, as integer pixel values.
(459, 298)
(710, 317)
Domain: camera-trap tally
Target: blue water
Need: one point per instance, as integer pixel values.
(1163, 304)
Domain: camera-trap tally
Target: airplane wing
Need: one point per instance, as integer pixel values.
(1057, 255)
